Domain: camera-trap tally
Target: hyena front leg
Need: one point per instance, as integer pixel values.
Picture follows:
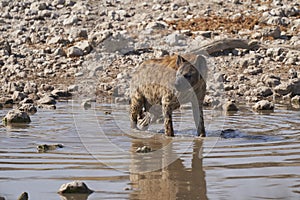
(167, 113)
(136, 106)
(198, 113)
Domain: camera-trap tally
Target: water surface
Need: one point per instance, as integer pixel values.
(245, 156)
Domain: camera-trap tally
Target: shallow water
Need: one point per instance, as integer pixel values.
(256, 156)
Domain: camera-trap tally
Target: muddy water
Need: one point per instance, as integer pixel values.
(256, 157)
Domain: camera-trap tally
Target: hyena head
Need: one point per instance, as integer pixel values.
(187, 75)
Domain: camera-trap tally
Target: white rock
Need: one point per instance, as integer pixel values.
(84, 46)
(47, 100)
(74, 52)
(263, 105)
(73, 19)
(77, 187)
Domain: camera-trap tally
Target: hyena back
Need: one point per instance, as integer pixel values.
(169, 82)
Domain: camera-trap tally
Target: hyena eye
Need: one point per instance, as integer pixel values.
(187, 76)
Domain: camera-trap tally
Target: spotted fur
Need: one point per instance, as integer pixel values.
(169, 82)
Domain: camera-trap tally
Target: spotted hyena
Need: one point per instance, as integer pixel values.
(169, 82)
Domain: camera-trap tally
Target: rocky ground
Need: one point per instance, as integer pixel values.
(87, 49)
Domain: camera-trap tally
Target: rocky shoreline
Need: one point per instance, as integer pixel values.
(88, 49)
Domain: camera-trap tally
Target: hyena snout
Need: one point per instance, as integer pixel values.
(182, 83)
(186, 81)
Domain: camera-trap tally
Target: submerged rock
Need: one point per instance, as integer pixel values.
(230, 106)
(47, 147)
(263, 105)
(16, 116)
(296, 100)
(75, 187)
(86, 104)
(144, 149)
(23, 196)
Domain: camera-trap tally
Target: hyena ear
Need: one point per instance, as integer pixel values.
(180, 60)
(201, 65)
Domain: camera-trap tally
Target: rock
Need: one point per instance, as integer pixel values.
(72, 20)
(58, 2)
(5, 48)
(230, 106)
(292, 73)
(38, 6)
(61, 93)
(273, 52)
(295, 84)
(253, 71)
(84, 46)
(292, 86)
(75, 52)
(47, 106)
(47, 147)
(18, 96)
(270, 80)
(283, 89)
(1, 106)
(79, 33)
(30, 88)
(7, 102)
(157, 25)
(59, 52)
(73, 88)
(143, 149)
(228, 87)
(28, 107)
(47, 100)
(46, 87)
(272, 32)
(26, 100)
(263, 91)
(263, 105)
(54, 40)
(296, 100)
(175, 39)
(16, 116)
(86, 104)
(77, 187)
(23, 196)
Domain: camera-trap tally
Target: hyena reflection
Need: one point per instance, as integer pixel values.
(169, 82)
